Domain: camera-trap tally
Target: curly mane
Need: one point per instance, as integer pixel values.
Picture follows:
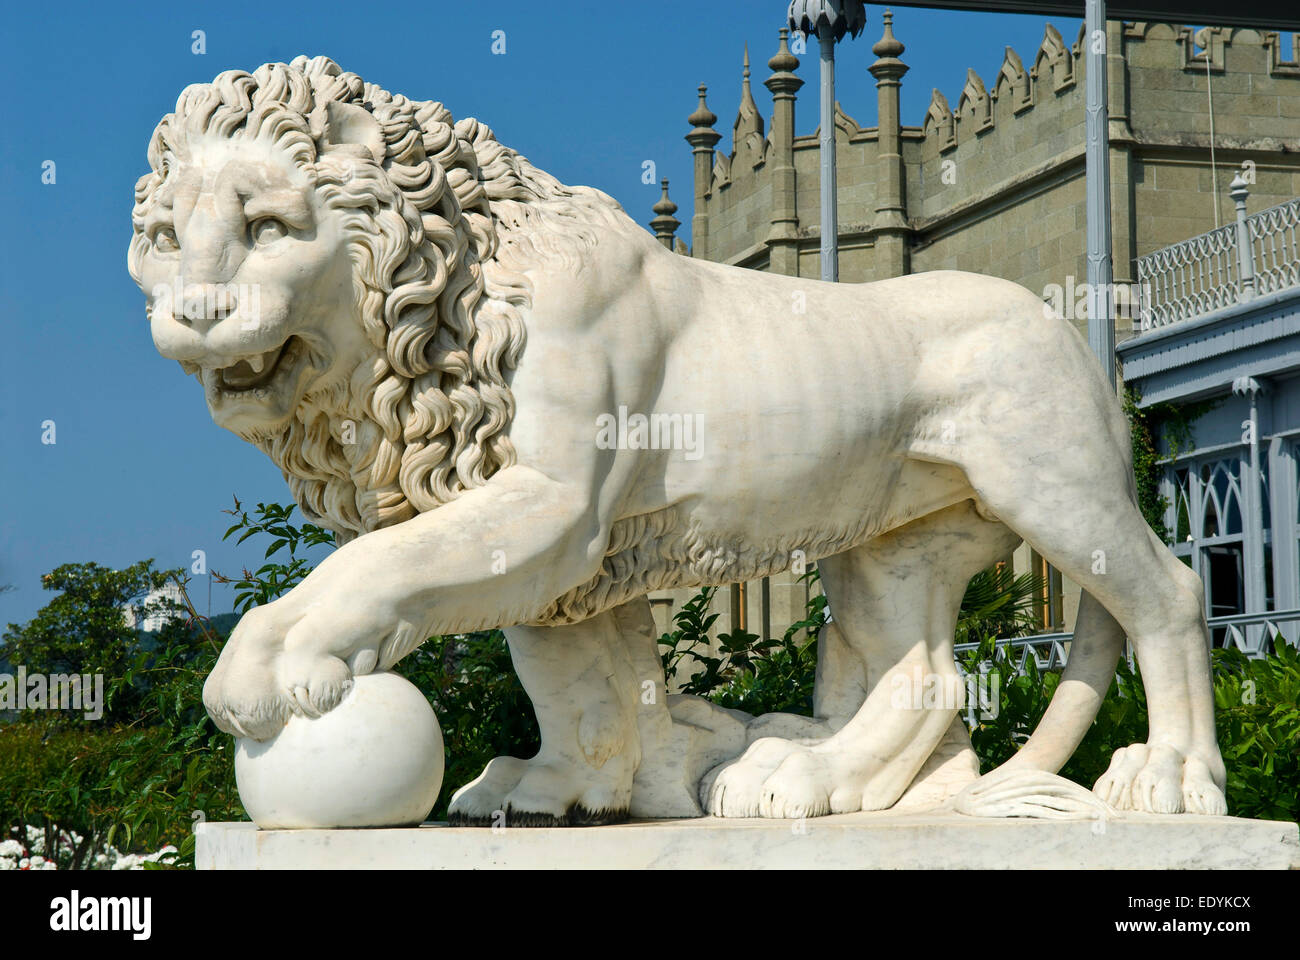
(441, 235)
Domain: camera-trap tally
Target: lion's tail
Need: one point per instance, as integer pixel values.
(1094, 652)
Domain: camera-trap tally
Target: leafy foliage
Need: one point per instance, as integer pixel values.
(139, 779)
(274, 578)
(83, 630)
(741, 670)
(1146, 425)
(1257, 714)
(997, 603)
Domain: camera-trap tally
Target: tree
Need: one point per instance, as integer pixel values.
(84, 630)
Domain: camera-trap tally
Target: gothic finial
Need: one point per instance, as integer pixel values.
(888, 45)
(703, 116)
(784, 61)
(665, 224)
(747, 105)
(665, 207)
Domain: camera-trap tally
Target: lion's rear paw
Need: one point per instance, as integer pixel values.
(735, 789)
(1160, 779)
(1200, 792)
(789, 780)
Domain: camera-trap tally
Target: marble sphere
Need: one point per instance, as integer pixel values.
(375, 760)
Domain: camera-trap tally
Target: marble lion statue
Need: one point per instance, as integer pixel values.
(430, 337)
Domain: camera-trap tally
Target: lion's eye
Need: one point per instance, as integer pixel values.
(267, 230)
(164, 239)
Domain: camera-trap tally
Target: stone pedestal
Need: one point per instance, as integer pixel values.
(860, 841)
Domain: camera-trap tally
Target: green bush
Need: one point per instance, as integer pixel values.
(750, 673)
(139, 777)
(1257, 718)
(1257, 713)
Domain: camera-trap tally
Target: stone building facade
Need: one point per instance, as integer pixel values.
(995, 184)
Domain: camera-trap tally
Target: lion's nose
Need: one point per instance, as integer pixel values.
(207, 304)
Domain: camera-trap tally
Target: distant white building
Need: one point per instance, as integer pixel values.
(155, 620)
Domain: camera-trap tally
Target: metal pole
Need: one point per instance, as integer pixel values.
(830, 218)
(1101, 329)
(1214, 173)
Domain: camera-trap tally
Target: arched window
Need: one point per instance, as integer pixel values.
(1206, 517)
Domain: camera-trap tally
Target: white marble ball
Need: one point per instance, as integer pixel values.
(375, 760)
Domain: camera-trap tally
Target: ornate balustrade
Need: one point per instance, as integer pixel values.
(1256, 255)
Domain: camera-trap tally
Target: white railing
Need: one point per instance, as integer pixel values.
(1273, 234)
(1190, 278)
(1251, 633)
(1048, 650)
(1256, 255)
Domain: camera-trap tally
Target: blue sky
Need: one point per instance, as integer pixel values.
(588, 91)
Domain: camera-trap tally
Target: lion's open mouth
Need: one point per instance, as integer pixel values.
(254, 372)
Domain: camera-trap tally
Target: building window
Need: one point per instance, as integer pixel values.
(1208, 521)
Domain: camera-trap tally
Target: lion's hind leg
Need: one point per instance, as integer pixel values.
(1071, 498)
(896, 600)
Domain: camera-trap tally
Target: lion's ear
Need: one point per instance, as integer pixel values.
(335, 124)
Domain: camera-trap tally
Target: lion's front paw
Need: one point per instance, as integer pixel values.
(544, 793)
(262, 679)
(241, 694)
(482, 801)
(247, 707)
(1154, 778)
(313, 683)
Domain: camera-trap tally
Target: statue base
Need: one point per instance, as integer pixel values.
(860, 841)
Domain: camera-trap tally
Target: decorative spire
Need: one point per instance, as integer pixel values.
(703, 116)
(665, 207)
(888, 45)
(748, 115)
(665, 224)
(888, 49)
(784, 61)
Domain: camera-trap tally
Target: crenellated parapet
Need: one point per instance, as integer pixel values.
(991, 178)
(1013, 90)
(974, 108)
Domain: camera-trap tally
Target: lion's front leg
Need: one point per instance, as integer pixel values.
(298, 655)
(585, 695)
(373, 601)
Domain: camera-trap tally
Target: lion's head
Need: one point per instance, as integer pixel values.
(344, 270)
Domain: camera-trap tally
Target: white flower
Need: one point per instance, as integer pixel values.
(13, 855)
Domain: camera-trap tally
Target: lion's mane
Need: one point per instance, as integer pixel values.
(441, 235)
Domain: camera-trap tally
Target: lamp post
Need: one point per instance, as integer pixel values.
(828, 21)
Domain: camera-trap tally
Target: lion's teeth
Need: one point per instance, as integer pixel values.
(257, 363)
